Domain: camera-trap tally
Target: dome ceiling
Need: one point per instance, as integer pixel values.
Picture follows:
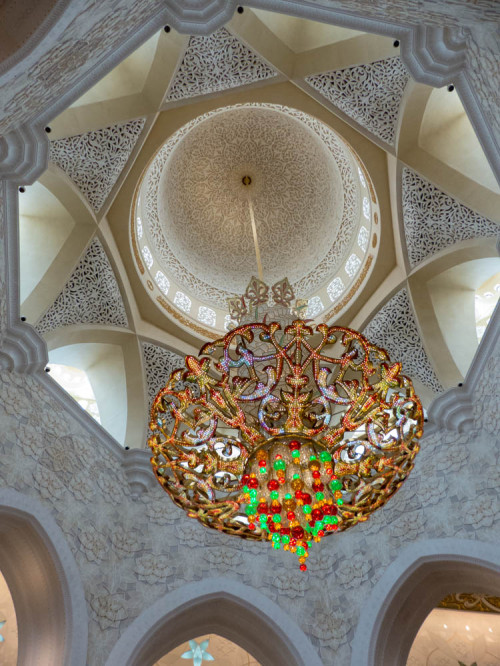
(296, 191)
(309, 202)
(171, 155)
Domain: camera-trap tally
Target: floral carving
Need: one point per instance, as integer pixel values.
(93, 544)
(91, 295)
(353, 571)
(408, 527)
(108, 609)
(125, 542)
(217, 62)
(160, 512)
(82, 487)
(153, 569)
(481, 513)
(94, 160)
(369, 94)
(434, 221)
(288, 584)
(30, 440)
(394, 328)
(48, 484)
(224, 558)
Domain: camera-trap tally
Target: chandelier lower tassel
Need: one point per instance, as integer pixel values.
(286, 433)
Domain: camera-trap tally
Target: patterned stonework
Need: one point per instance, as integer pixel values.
(369, 94)
(214, 63)
(433, 220)
(394, 328)
(94, 160)
(119, 544)
(312, 271)
(158, 363)
(91, 295)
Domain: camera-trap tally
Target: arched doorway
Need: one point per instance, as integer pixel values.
(215, 606)
(45, 584)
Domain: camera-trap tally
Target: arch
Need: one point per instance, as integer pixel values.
(422, 575)
(215, 605)
(112, 360)
(35, 556)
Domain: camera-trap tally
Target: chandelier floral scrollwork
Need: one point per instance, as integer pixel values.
(286, 435)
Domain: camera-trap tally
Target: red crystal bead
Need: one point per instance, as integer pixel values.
(290, 515)
(317, 514)
(251, 526)
(282, 479)
(321, 533)
(318, 486)
(297, 532)
(253, 483)
(303, 567)
(285, 530)
(316, 474)
(262, 463)
(262, 507)
(245, 479)
(273, 484)
(306, 498)
(294, 445)
(298, 494)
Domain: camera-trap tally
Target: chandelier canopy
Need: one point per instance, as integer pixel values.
(285, 432)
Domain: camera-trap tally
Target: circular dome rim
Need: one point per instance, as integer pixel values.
(333, 307)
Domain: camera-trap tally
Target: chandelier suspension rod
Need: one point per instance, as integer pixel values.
(255, 240)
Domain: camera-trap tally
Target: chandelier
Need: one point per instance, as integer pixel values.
(284, 431)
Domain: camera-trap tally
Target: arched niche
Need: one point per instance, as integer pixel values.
(112, 362)
(412, 586)
(55, 226)
(443, 290)
(453, 297)
(447, 134)
(45, 584)
(221, 606)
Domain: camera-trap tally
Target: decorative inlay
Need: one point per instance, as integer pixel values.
(162, 281)
(395, 329)
(158, 363)
(94, 160)
(206, 315)
(366, 208)
(335, 288)
(139, 228)
(204, 332)
(433, 220)
(356, 285)
(218, 295)
(148, 257)
(361, 177)
(352, 265)
(369, 94)
(91, 295)
(314, 307)
(217, 62)
(468, 601)
(363, 236)
(182, 301)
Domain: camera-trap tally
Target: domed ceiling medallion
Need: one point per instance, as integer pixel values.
(190, 231)
(286, 433)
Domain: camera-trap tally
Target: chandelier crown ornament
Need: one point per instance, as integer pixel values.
(285, 433)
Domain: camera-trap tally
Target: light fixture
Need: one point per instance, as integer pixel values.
(198, 652)
(286, 432)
